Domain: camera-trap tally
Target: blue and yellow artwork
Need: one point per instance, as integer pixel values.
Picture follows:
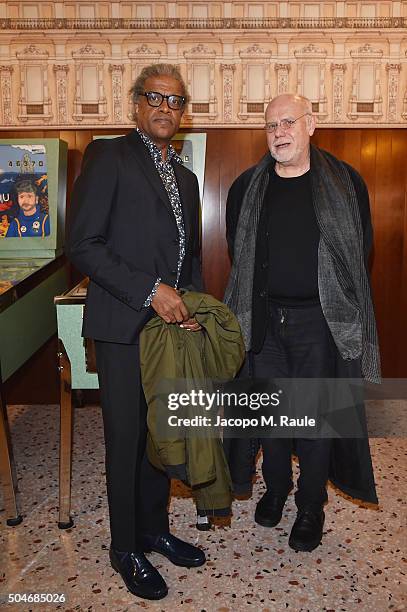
(24, 207)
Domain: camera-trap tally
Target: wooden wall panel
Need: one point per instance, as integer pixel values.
(401, 146)
(236, 150)
(379, 154)
(212, 248)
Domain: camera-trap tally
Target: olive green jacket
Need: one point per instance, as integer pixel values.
(175, 360)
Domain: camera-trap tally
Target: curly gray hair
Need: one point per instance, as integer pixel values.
(156, 70)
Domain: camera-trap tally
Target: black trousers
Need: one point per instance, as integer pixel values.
(137, 492)
(298, 344)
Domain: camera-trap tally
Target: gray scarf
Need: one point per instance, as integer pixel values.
(343, 283)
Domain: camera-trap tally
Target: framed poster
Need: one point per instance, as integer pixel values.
(191, 148)
(32, 197)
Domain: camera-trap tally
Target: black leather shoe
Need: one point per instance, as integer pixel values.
(176, 550)
(269, 510)
(306, 533)
(140, 577)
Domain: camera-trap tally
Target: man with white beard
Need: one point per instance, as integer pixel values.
(299, 235)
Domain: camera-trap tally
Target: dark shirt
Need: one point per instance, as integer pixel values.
(288, 235)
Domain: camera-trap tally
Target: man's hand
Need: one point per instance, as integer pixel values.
(169, 305)
(191, 325)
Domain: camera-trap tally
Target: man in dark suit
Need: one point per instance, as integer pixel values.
(134, 230)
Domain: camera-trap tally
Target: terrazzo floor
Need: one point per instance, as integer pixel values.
(361, 564)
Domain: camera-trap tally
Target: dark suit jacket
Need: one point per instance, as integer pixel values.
(123, 235)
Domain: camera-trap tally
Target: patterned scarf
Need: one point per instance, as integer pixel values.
(344, 288)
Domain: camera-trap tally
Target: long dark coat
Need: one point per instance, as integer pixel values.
(350, 466)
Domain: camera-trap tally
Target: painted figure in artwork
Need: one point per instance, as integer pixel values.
(30, 220)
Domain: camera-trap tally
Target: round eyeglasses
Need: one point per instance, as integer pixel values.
(154, 98)
(285, 124)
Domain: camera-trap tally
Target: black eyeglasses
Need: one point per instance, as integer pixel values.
(156, 99)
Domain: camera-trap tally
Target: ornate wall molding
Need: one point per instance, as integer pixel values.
(201, 51)
(6, 94)
(311, 55)
(85, 67)
(366, 56)
(282, 71)
(199, 110)
(32, 52)
(254, 50)
(221, 23)
(88, 52)
(254, 55)
(228, 70)
(144, 51)
(393, 71)
(31, 110)
(85, 109)
(366, 51)
(404, 113)
(116, 71)
(338, 74)
(310, 50)
(61, 78)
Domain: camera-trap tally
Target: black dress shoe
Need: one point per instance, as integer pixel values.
(269, 510)
(176, 550)
(140, 577)
(306, 533)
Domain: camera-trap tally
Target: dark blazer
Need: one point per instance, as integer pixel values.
(122, 233)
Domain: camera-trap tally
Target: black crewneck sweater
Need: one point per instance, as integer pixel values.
(287, 241)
